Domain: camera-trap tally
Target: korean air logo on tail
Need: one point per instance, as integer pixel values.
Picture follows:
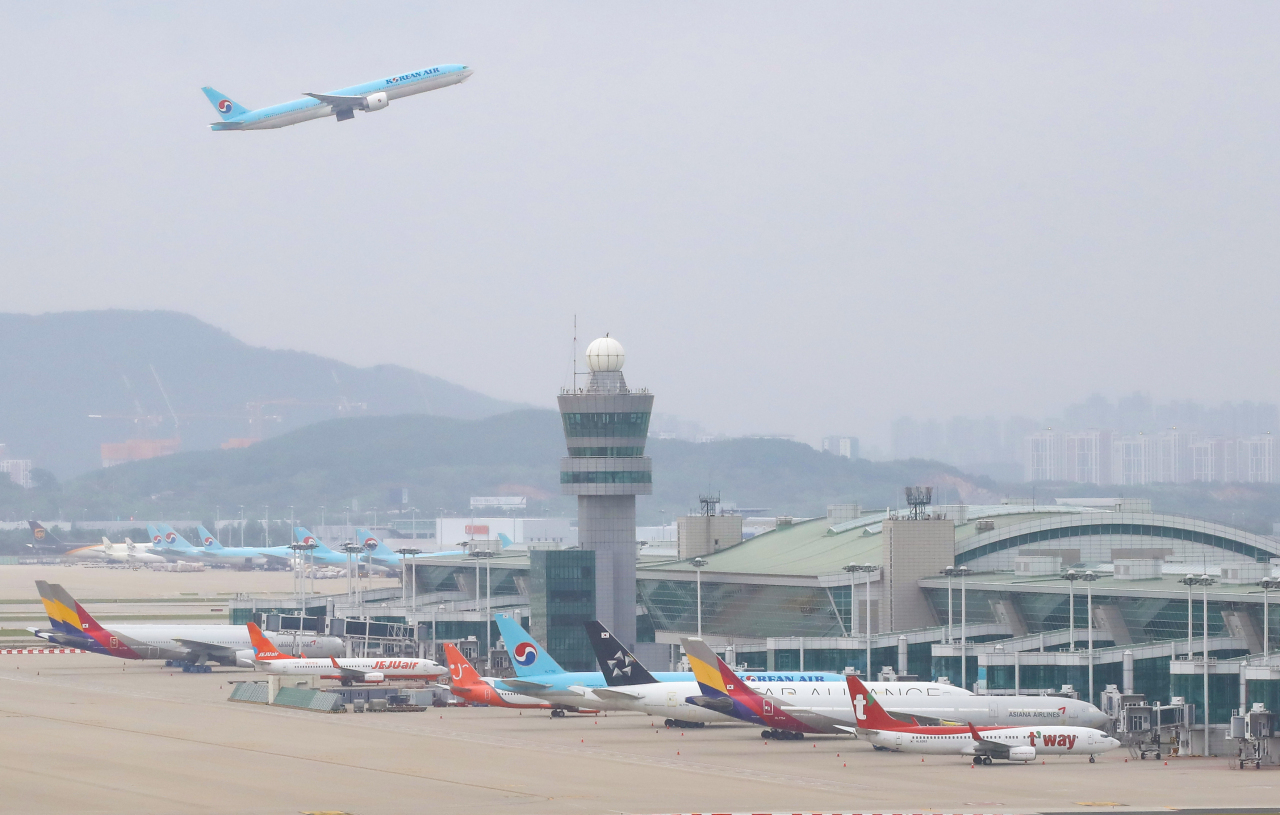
(170, 536)
(371, 543)
(208, 540)
(309, 540)
(155, 538)
(526, 653)
(224, 106)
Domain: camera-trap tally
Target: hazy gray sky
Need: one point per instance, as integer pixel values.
(802, 218)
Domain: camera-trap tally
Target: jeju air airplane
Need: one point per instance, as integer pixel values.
(470, 686)
(980, 744)
(342, 103)
(345, 670)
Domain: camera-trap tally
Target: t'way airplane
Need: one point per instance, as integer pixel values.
(73, 627)
(466, 684)
(342, 103)
(981, 744)
(347, 670)
(824, 709)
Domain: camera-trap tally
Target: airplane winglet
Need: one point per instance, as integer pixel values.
(973, 731)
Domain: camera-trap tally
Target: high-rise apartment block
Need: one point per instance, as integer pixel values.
(1173, 456)
(846, 446)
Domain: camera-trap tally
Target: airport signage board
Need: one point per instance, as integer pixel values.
(477, 529)
(499, 502)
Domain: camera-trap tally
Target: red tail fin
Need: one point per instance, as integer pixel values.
(867, 710)
(973, 731)
(460, 671)
(263, 649)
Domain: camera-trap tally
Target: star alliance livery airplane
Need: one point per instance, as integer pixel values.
(342, 103)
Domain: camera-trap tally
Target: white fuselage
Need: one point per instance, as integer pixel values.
(1046, 741)
(668, 699)
(387, 667)
(163, 641)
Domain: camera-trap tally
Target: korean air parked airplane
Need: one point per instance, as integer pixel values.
(72, 627)
(322, 554)
(377, 552)
(213, 550)
(167, 542)
(342, 103)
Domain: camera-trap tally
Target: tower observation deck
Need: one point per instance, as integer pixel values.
(605, 428)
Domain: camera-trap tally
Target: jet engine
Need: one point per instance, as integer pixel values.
(1022, 753)
(373, 676)
(376, 101)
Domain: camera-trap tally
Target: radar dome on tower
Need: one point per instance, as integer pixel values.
(605, 354)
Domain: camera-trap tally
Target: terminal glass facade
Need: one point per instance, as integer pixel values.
(741, 609)
(562, 596)
(603, 425)
(1087, 530)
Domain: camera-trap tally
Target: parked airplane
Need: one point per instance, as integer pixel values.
(321, 554)
(347, 670)
(167, 542)
(129, 552)
(686, 703)
(980, 744)
(466, 684)
(342, 103)
(377, 553)
(44, 542)
(73, 627)
(212, 549)
(828, 710)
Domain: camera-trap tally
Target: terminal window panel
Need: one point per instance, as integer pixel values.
(608, 477)
(741, 609)
(1140, 530)
(606, 452)
(585, 425)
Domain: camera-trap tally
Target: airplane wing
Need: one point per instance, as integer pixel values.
(614, 693)
(521, 684)
(353, 102)
(353, 673)
(986, 746)
(206, 648)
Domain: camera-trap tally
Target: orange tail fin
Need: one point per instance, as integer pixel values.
(263, 649)
(460, 671)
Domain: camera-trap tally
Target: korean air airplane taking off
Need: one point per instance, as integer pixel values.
(342, 103)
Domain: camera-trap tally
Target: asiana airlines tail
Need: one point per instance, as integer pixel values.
(342, 103)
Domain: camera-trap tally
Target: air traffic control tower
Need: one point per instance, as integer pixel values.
(605, 427)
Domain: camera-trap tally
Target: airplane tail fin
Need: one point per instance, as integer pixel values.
(460, 671)
(44, 539)
(528, 656)
(226, 108)
(209, 541)
(263, 649)
(172, 539)
(374, 545)
(866, 710)
(619, 666)
(713, 676)
(505, 540)
(60, 609)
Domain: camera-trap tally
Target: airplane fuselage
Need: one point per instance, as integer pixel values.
(304, 110)
(383, 667)
(1010, 743)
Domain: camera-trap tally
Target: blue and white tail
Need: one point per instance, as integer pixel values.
(528, 656)
(373, 545)
(304, 536)
(164, 536)
(209, 541)
(227, 109)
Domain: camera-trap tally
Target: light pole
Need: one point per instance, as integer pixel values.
(1267, 585)
(950, 572)
(321, 516)
(1189, 580)
(433, 629)
(404, 572)
(351, 549)
(1088, 578)
(300, 549)
(698, 564)
(1071, 577)
(479, 555)
(242, 526)
(963, 572)
(852, 569)
(1205, 582)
